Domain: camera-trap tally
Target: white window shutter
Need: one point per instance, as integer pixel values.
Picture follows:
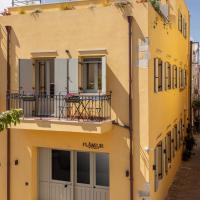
(60, 76)
(25, 76)
(103, 75)
(73, 75)
(156, 74)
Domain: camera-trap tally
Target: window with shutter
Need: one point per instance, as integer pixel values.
(180, 21)
(169, 147)
(173, 142)
(158, 166)
(158, 75)
(166, 76)
(94, 74)
(175, 77)
(176, 137)
(172, 71)
(169, 77)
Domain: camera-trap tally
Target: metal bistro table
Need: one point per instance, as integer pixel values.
(85, 107)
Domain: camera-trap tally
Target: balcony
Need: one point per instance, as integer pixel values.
(71, 107)
(80, 113)
(161, 8)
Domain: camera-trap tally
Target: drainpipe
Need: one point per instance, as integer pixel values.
(8, 29)
(130, 22)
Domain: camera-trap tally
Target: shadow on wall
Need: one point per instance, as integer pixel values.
(3, 54)
(120, 94)
(14, 43)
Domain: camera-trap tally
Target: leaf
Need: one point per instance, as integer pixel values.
(10, 117)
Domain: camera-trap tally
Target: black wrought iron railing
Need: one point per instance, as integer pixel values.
(70, 107)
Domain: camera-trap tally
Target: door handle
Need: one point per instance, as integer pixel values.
(66, 186)
(94, 187)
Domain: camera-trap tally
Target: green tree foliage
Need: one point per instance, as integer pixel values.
(9, 117)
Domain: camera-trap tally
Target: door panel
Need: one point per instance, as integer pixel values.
(58, 191)
(101, 194)
(83, 193)
(44, 170)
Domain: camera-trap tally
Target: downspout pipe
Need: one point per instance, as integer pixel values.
(8, 29)
(130, 26)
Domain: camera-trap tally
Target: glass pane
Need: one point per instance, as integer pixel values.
(83, 167)
(90, 76)
(99, 76)
(60, 165)
(102, 169)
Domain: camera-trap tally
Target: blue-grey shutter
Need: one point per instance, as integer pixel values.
(103, 75)
(25, 76)
(73, 75)
(60, 76)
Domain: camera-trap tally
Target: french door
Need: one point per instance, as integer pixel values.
(71, 175)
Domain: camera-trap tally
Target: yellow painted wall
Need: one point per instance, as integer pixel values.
(93, 25)
(167, 107)
(87, 27)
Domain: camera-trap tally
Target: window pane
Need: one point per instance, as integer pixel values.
(60, 165)
(160, 76)
(102, 169)
(99, 76)
(90, 76)
(83, 167)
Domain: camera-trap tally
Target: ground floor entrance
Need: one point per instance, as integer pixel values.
(73, 175)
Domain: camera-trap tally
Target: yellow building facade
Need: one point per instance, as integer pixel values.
(69, 72)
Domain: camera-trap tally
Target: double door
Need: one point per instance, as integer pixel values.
(71, 175)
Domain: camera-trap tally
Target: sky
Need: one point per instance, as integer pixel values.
(194, 7)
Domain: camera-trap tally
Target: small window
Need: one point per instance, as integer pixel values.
(160, 161)
(180, 78)
(158, 72)
(181, 130)
(184, 28)
(169, 77)
(175, 77)
(173, 141)
(92, 73)
(158, 166)
(176, 139)
(180, 21)
(169, 146)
